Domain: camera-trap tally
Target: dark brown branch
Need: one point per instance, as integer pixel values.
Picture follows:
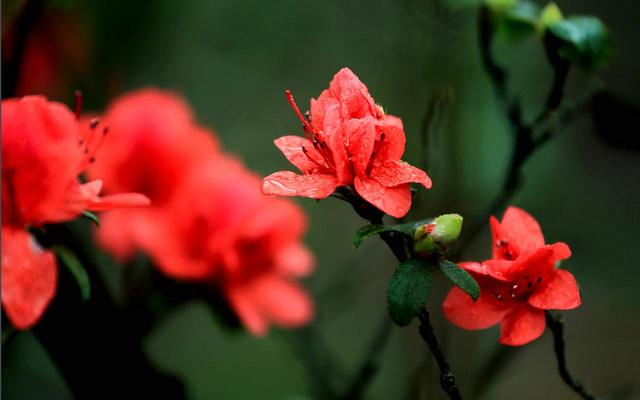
(556, 326)
(447, 379)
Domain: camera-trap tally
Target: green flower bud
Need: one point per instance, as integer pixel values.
(550, 14)
(437, 234)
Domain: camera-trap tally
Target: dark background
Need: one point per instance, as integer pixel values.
(233, 60)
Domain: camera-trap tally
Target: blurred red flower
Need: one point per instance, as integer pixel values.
(517, 284)
(350, 141)
(222, 231)
(209, 223)
(43, 152)
(154, 142)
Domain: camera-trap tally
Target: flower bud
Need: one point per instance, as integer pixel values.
(550, 14)
(437, 234)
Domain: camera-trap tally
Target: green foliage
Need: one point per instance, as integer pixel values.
(69, 260)
(518, 21)
(460, 278)
(91, 217)
(584, 41)
(408, 290)
(550, 14)
(367, 231)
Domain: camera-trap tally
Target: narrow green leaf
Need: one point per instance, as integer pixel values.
(460, 278)
(91, 217)
(408, 290)
(584, 41)
(69, 260)
(372, 230)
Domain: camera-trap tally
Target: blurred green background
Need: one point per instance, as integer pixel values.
(233, 60)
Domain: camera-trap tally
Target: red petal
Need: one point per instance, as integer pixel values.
(283, 302)
(291, 147)
(522, 325)
(29, 278)
(287, 183)
(362, 137)
(120, 200)
(337, 144)
(561, 251)
(521, 230)
(460, 309)
(392, 146)
(498, 269)
(394, 201)
(247, 311)
(270, 299)
(559, 292)
(353, 95)
(392, 173)
(294, 261)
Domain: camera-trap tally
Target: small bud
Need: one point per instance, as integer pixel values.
(437, 234)
(550, 14)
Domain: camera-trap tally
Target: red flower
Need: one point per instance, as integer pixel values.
(29, 277)
(43, 152)
(350, 142)
(222, 231)
(517, 284)
(153, 143)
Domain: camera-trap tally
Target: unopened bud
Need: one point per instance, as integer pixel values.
(437, 234)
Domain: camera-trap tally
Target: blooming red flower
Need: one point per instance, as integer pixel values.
(222, 231)
(350, 142)
(153, 143)
(43, 152)
(517, 284)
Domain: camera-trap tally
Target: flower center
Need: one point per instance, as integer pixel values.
(505, 249)
(520, 289)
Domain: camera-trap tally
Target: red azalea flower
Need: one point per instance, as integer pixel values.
(517, 284)
(43, 152)
(350, 142)
(153, 143)
(222, 231)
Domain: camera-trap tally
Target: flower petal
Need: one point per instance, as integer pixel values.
(283, 302)
(521, 230)
(522, 325)
(559, 292)
(395, 172)
(248, 312)
(29, 278)
(301, 153)
(353, 95)
(392, 147)
(561, 251)
(362, 138)
(287, 183)
(294, 260)
(498, 269)
(394, 201)
(460, 309)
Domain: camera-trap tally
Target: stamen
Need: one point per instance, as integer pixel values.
(305, 123)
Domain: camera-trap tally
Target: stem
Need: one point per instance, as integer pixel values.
(556, 326)
(397, 245)
(447, 379)
(525, 144)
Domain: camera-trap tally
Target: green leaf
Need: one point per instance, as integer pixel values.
(460, 278)
(408, 290)
(549, 15)
(372, 230)
(518, 21)
(584, 41)
(91, 217)
(69, 260)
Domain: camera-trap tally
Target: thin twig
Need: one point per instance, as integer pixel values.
(556, 325)
(447, 379)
